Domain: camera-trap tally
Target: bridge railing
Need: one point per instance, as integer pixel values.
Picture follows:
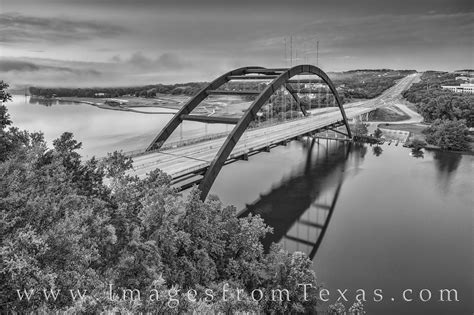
(177, 144)
(284, 133)
(185, 142)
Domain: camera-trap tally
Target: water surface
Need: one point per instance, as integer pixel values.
(100, 130)
(370, 217)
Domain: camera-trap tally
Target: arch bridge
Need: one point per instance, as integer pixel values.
(200, 162)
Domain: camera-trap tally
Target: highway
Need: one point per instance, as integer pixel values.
(192, 158)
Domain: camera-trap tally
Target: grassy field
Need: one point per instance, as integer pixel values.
(409, 104)
(388, 114)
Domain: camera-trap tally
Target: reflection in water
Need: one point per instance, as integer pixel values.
(390, 228)
(300, 207)
(359, 151)
(377, 150)
(417, 153)
(447, 164)
(43, 101)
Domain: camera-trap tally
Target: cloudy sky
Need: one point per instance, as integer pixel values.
(120, 42)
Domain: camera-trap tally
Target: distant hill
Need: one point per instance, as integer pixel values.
(362, 83)
(140, 91)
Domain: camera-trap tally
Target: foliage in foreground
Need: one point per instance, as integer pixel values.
(63, 228)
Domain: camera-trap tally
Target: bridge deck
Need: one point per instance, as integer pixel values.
(196, 157)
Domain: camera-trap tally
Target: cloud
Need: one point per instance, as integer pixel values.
(31, 71)
(441, 41)
(136, 70)
(21, 28)
(393, 31)
(9, 65)
(166, 61)
(116, 59)
(14, 65)
(21, 66)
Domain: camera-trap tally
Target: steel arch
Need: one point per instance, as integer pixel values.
(281, 80)
(191, 105)
(249, 115)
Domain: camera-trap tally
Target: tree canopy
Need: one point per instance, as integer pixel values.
(433, 102)
(449, 135)
(74, 224)
(143, 91)
(360, 129)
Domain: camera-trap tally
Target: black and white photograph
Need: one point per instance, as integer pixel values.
(237, 157)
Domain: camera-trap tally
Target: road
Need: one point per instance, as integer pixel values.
(415, 118)
(196, 157)
(395, 100)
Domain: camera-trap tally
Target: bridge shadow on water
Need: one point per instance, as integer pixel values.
(300, 207)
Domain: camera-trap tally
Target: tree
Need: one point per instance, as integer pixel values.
(151, 93)
(448, 135)
(142, 93)
(9, 138)
(360, 129)
(433, 102)
(378, 133)
(69, 224)
(417, 144)
(4, 97)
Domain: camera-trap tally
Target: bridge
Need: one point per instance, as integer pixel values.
(199, 162)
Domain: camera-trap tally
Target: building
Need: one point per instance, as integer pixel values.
(466, 78)
(115, 102)
(100, 94)
(465, 88)
(314, 86)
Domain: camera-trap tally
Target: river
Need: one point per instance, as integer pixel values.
(396, 222)
(370, 217)
(100, 130)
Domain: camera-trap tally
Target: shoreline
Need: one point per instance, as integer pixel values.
(414, 125)
(126, 108)
(430, 147)
(411, 123)
(172, 105)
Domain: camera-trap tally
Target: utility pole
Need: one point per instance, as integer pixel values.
(304, 52)
(296, 54)
(317, 53)
(291, 51)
